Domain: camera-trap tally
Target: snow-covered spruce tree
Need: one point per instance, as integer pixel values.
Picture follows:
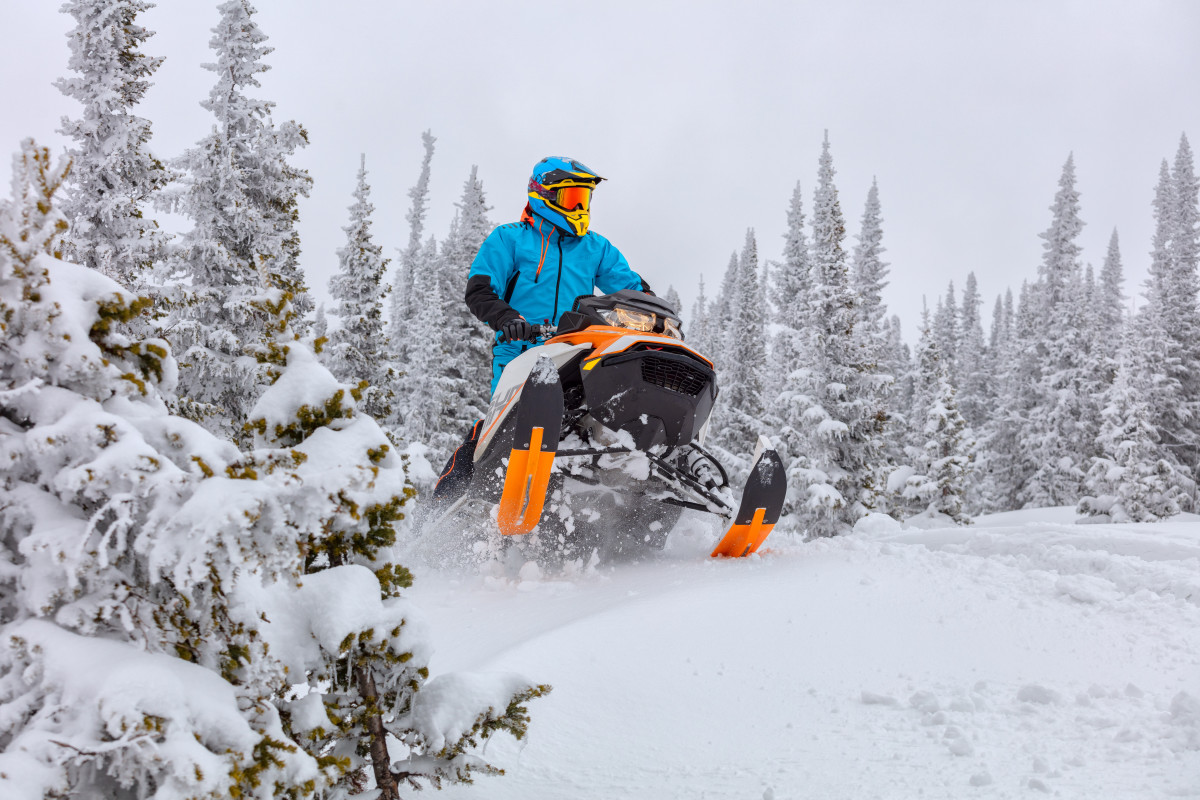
(837, 397)
(105, 694)
(985, 489)
(365, 677)
(1001, 322)
(410, 272)
(974, 391)
(720, 316)
(320, 326)
(1055, 434)
(160, 631)
(869, 270)
(241, 194)
(468, 341)
(1098, 364)
(769, 309)
(1134, 479)
(792, 289)
(741, 407)
(947, 331)
(790, 347)
(897, 363)
(672, 299)
(429, 396)
(869, 274)
(358, 349)
(1186, 234)
(1173, 289)
(999, 337)
(114, 176)
(973, 396)
(941, 462)
(696, 329)
(1009, 460)
(1109, 305)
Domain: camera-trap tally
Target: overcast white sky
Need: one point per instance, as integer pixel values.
(703, 115)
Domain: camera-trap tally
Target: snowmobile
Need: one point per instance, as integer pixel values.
(607, 418)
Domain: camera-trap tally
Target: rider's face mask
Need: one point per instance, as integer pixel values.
(568, 198)
(573, 202)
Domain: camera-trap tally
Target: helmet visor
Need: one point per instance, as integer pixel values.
(574, 198)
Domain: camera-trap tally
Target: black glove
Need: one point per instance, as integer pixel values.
(516, 330)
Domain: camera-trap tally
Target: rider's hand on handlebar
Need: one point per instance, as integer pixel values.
(516, 330)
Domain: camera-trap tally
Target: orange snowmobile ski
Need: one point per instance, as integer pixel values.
(762, 503)
(535, 440)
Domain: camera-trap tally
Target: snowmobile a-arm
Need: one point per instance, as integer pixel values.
(671, 474)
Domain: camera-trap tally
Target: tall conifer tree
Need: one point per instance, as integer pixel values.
(836, 480)
(404, 293)
(793, 282)
(972, 368)
(697, 329)
(1109, 307)
(947, 331)
(1134, 478)
(183, 620)
(114, 176)
(869, 269)
(942, 455)
(240, 258)
(721, 316)
(740, 418)
(1056, 435)
(358, 348)
(869, 273)
(469, 340)
(1008, 462)
(1172, 292)
(790, 350)
(672, 299)
(429, 394)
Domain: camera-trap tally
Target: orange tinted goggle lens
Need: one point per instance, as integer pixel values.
(572, 198)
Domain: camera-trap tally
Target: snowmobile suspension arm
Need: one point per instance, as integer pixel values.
(669, 472)
(675, 501)
(597, 451)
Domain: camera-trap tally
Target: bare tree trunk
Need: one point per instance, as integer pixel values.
(380, 760)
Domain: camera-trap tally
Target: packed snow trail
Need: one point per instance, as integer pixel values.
(1020, 656)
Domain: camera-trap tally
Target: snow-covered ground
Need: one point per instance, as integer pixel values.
(1020, 656)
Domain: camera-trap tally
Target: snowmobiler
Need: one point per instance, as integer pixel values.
(595, 438)
(527, 273)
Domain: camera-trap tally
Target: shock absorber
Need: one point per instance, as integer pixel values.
(700, 465)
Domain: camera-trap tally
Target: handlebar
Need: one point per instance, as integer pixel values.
(540, 333)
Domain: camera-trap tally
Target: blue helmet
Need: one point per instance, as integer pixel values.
(560, 192)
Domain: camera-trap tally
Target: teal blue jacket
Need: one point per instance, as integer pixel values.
(532, 270)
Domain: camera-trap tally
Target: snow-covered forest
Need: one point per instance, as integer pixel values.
(209, 472)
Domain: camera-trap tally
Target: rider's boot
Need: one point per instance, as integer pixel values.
(457, 475)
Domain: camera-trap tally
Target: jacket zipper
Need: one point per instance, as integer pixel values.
(512, 285)
(557, 281)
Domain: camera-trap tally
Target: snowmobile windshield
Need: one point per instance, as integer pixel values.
(635, 319)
